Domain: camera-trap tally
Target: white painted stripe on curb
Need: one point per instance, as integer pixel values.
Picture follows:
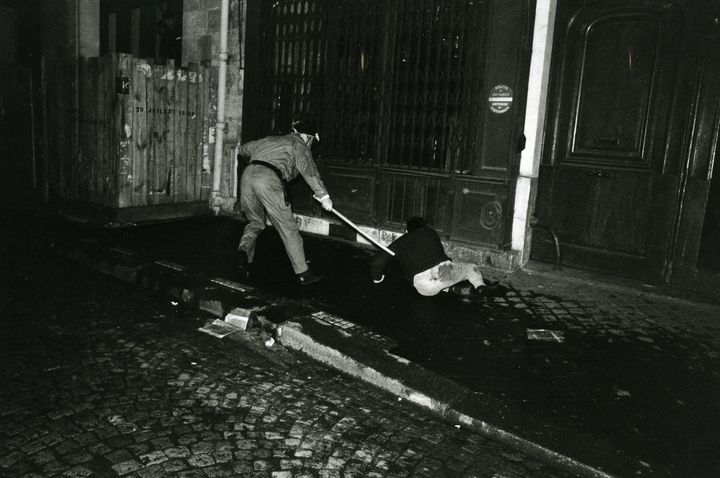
(421, 399)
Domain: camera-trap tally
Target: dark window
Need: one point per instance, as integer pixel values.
(392, 82)
(143, 28)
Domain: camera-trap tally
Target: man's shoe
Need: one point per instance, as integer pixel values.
(308, 277)
(465, 290)
(492, 289)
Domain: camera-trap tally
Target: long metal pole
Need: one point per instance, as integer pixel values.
(360, 231)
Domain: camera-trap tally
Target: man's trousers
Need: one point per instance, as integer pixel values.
(261, 193)
(447, 274)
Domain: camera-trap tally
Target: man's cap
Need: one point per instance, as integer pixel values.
(308, 127)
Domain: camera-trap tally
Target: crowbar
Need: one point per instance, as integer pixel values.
(362, 233)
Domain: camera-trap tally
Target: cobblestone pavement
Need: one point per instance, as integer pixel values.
(100, 380)
(636, 371)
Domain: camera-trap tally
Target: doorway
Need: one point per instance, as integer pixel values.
(609, 176)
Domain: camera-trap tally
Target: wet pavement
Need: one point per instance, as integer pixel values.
(616, 377)
(99, 379)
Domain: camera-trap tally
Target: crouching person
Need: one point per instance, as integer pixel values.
(422, 258)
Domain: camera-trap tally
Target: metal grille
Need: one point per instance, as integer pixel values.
(354, 75)
(430, 97)
(395, 82)
(418, 195)
(297, 61)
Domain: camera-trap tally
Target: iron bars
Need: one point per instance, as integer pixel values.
(395, 83)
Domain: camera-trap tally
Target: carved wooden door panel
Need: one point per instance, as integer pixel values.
(605, 182)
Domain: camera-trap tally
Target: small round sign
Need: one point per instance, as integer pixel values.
(500, 98)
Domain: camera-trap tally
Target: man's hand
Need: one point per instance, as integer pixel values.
(326, 202)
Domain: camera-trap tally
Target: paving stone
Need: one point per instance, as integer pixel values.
(281, 453)
(191, 474)
(263, 453)
(126, 467)
(152, 471)
(118, 456)
(42, 456)
(202, 448)
(119, 442)
(10, 459)
(329, 474)
(242, 467)
(19, 469)
(177, 452)
(174, 464)
(335, 463)
(186, 439)
(76, 458)
(224, 456)
(139, 448)
(281, 474)
(32, 447)
(78, 472)
(200, 461)
(66, 447)
(51, 439)
(291, 464)
(149, 396)
(153, 458)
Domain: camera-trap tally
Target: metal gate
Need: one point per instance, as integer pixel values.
(392, 82)
(398, 87)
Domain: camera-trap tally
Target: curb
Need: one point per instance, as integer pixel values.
(293, 337)
(217, 296)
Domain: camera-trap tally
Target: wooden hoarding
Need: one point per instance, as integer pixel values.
(138, 136)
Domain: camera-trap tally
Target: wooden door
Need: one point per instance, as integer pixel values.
(608, 179)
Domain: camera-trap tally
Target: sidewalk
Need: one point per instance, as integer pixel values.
(599, 380)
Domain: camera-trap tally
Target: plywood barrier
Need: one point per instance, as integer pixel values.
(136, 134)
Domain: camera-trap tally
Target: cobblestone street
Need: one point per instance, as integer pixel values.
(100, 380)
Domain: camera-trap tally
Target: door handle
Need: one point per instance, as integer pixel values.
(599, 173)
